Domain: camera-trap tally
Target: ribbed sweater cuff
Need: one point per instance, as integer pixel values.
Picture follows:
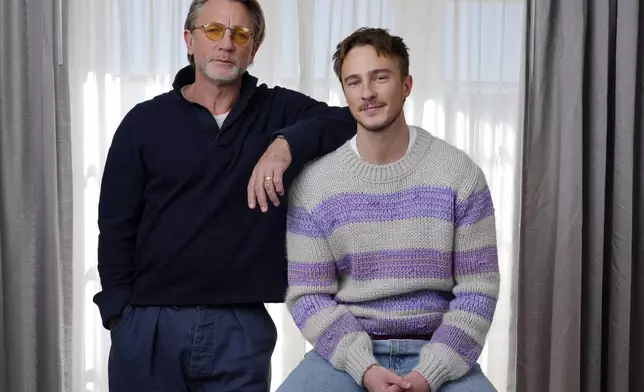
(435, 372)
(359, 359)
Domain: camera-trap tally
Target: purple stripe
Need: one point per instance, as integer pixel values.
(299, 221)
(424, 324)
(430, 301)
(309, 305)
(311, 274)
(476, 261)
(476, 208)
(427, 202)
(478, 304)
(459, 341)
(329, 340)
(397, 264)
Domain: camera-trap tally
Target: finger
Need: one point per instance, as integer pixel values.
(396, 380)
(250, 191)
(260, 193)
(393, 388)
(270, 191)
(277, 181)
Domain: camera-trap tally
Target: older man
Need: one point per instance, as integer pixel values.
(185, 264)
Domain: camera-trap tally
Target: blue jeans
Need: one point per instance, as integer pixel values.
(192, 349)
(315, 374)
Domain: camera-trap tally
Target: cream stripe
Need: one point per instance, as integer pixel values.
(428, 233)
(481, 234)
(319, 322)
(356, 291)
(295, 292)
(306, 249)
(370, 313)
(329, 170)
(436, 356)
(358, 340)
(464, 321)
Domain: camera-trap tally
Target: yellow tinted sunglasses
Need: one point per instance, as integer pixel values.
(215, 31)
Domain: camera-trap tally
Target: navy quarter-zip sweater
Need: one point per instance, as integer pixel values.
(175, 227)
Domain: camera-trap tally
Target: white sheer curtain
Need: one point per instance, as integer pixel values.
(466, 63)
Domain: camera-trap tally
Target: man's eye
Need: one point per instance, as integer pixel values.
(214, 30)
(242, 34)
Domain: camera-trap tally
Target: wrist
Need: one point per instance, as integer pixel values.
(370, 367)
(365, 377)
(281, 141)
(282, 147)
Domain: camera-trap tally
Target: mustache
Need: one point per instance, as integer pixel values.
(370, 105)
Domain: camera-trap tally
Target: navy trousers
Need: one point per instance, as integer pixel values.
(195, 349)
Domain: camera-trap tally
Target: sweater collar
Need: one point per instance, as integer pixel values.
(388, 172)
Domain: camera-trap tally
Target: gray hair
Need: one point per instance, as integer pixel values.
(256, 14)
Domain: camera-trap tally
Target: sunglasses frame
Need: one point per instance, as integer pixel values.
(233, 30)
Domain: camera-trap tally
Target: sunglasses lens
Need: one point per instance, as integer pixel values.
(241, 36)
(215, 31)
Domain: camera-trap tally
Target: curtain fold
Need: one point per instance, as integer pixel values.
(35, 198)
(580, 280)
(465, 60)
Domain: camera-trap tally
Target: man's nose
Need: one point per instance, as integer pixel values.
(226, 42)
(367, 92)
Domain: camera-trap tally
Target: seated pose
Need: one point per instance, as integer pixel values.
(393, 273)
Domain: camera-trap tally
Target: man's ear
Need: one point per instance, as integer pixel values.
(189, 39)
(407, 83)
(253, 53)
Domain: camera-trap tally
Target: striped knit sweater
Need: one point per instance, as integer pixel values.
(403, 249)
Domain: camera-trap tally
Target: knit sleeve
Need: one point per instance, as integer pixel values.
(331, 328)
(458, 341)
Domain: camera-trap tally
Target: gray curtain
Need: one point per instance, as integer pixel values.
(581, 278)
(35, 199)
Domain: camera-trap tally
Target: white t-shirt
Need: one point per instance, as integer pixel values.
(220, 118)
(412, 139)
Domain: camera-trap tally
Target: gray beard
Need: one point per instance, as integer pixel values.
(234, 73)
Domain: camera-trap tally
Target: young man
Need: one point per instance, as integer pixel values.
(391, 243)
(185, 264)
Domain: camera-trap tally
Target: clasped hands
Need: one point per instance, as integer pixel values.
(380, 379)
